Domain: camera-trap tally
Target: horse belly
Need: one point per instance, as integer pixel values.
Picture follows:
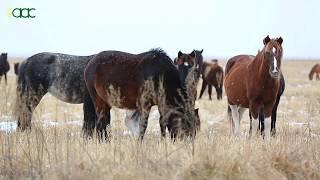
(65, 95)
(236, 90)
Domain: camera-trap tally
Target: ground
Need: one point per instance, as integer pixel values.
(54, 149)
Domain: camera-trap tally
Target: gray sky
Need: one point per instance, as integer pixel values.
(223, 28)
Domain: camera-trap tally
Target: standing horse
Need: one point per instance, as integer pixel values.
(137, 82)
(212, 75)
(4, 66)
(315, 70)
(253, 82)
(59, 74)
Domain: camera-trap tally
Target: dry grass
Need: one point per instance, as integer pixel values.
(56, 151)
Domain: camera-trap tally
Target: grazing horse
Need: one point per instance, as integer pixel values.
(59, 74)
(16, 68)
(4, 66)
(315, 70)
(137, 82)
(253, 82)
(212, 75)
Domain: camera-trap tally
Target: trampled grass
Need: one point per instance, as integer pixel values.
(54, 149)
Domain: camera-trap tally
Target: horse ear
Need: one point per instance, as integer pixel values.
(193, 54)
(266, 40)
(179, 54)
(280, 40)
(201, 51)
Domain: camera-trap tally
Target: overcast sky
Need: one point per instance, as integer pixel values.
(223, 28)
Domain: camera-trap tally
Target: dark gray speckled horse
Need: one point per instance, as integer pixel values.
(59, 74)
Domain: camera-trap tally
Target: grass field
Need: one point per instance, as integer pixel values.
(55, 149)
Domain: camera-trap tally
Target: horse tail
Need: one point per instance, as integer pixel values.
(21, 110)
(90, 117)
(219, 78)
(230, 119)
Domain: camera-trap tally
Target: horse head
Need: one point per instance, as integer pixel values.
(273, 55)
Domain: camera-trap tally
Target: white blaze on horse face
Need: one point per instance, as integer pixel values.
(275, 69)
(186, 63)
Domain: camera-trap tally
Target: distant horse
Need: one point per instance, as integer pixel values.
(315, 70)
(16, 68)
(253, 82)
(4, 66)
(212, 75)
(197, 61)
(137, 82)
(59, 74)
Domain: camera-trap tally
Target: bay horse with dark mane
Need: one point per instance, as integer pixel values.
(315, 70)
(212, 75)
(61, 75)
(4, 66)
(137, 82)
(253, 82)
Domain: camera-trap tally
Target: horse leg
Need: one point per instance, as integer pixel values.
(143, 123)
(317, 76)
(254, 111)
(203, 87)
(163, 126)
(0, 78)
(230, 120)
(237, 113)
(5, 78)
(274, 117)
(261, 122)
(210, 91)
(267, 127)
(218, 92)
(103, 124)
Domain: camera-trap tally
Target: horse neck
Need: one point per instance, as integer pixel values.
(260, 68)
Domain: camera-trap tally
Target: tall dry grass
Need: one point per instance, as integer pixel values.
(56, 151)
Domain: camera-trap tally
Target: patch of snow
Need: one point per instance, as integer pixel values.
(8, 126)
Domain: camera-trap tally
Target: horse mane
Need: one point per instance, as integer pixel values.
(160, 53)
(312, 71)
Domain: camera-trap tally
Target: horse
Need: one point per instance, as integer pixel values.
(16, 68)
(314, 70)
(136, 82)
(61, 75)
(212, 75)
(4, 66)
(253, 82)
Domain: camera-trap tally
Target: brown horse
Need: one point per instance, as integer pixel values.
(315, 70)
(212, 75)
(189, 72)
(137, 82)
(253, 82)
(4, 66)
